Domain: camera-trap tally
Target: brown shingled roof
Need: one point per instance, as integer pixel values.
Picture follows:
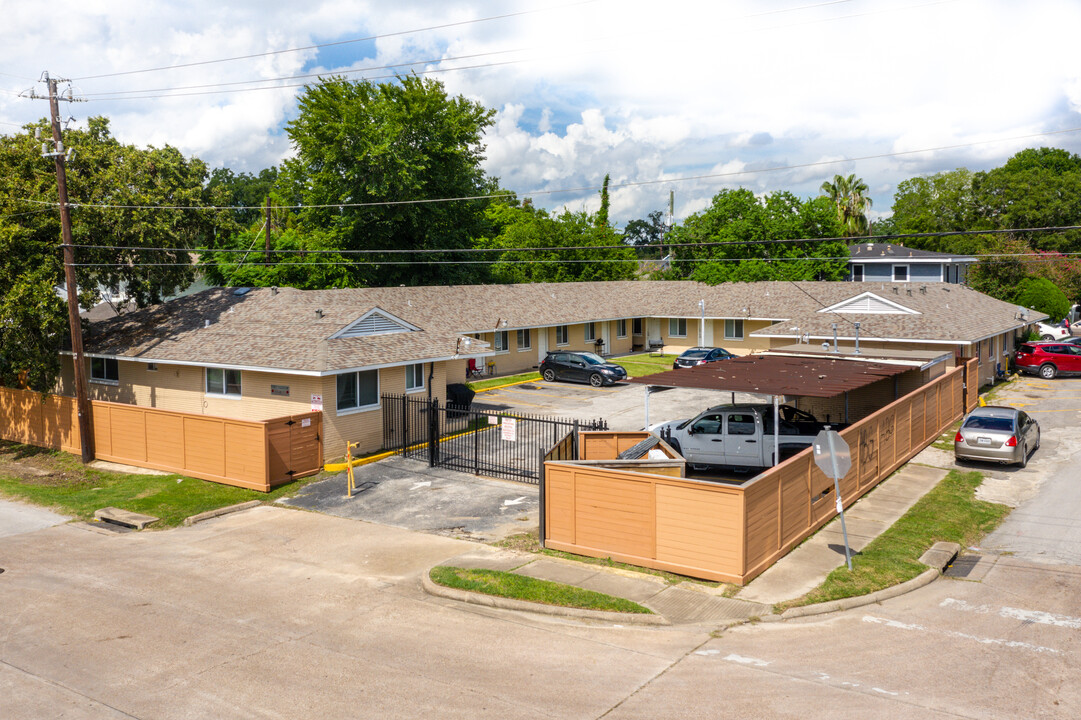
(268, 328)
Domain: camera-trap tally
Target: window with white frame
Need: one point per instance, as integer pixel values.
(677, 327)
(900, 273)
(220, 381)
(591, 332)
(358, 390)
(501, 341)
(857, 273)
(562, 336)
(414, 377)
(105, 371)
(621, 328)
(525, 340)
(733, 329)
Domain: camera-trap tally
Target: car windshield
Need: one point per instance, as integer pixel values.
(593, 359)
(982, 422)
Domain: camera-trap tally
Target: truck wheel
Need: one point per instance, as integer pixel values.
(549, 375)
(1048, 371)
(675, 445)
(1047, 338)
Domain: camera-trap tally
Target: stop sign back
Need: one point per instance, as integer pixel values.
(832, 454)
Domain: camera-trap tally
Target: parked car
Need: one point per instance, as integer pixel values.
(700, 356)
(1048, 359)
(581, 367)
(997, 434)
(1049, 333)
(740, 435)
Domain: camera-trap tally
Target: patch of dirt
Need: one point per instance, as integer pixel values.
(38, 466)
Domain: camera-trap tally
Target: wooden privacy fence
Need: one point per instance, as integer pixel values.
(253, 454)
(733, 533)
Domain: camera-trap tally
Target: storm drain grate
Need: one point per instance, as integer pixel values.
(962, 566)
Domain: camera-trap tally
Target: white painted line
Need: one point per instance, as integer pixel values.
(707, 652)
(755, 662)
(1015, 644)
(422, 483)
(1035, 616)
(516, 501)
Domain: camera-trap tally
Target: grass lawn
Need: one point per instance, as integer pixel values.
(58, 480)
(478, 385)
(520, 587)
(644, 364)
(950, 513)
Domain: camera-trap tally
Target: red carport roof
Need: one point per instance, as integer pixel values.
(776, 375)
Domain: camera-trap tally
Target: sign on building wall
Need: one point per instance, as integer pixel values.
(317, 403)
(279, 390)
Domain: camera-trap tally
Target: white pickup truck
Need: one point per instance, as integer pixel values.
(740, 435)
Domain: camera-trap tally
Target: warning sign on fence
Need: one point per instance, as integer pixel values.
(510, 429)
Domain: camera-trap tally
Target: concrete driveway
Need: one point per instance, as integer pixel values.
(1046, 525)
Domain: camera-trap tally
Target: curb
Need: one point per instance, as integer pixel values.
(498, 387)
(209, 514)
(937, 557)
(432, 588)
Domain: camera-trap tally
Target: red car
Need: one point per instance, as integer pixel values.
(1048, 359)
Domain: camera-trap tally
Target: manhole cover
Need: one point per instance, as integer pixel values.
(527, 386)
(962, 566)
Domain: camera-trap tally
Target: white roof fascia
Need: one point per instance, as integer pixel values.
(869, 338)
(282, 371)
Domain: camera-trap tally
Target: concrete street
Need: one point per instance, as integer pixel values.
(282, 613)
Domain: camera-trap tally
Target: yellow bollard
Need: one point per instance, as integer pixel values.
(349, 467)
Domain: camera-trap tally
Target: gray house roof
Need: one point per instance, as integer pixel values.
(298, 331)
(889, 252)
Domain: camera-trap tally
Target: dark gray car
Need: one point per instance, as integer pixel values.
(997, 434)
(581, 367)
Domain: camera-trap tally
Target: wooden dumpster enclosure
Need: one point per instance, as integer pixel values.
(257, 455)
(733, 533)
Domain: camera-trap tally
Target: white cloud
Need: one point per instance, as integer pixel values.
(648, 94)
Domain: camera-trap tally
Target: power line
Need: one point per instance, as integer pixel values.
(336, 43)
(589, 188)
(622, 246)
(1032, 259)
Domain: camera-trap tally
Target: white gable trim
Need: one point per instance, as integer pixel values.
(375, 322)
(869, 303)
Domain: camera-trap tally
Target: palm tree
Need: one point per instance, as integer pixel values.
(848, 194)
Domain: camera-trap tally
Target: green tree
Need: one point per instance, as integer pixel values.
(531, 241)
(1037, 187)
(141, 250)
(647, 234)
(748, 227)
(942, 202)
(245, 191)
(602, 215)
(1042, 295)
(392, 146)
(849, 196)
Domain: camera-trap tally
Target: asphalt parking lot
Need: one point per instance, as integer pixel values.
(623, 405)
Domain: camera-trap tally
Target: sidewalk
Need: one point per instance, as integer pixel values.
(795, 574)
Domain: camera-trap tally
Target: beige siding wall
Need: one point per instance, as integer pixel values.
(366, 426)
(182, 388)
(748, 344)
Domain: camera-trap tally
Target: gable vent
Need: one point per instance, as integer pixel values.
(374, 323)
(870, 304)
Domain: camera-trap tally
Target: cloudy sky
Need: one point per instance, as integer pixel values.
(686, 96)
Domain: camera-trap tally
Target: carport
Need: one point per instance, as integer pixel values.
(781, 376)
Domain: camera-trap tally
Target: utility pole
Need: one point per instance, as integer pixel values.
(82, 396)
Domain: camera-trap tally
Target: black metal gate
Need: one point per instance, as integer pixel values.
(482, 442)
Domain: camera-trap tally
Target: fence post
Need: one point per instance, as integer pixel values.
(433, 433)
(540, 528)
(574, 445)
(476, 443)
(405, 425)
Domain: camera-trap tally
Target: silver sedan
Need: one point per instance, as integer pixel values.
(997, 434)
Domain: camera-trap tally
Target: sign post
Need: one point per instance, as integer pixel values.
(834, 458)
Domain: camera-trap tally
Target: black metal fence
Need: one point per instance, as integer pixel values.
(482, 442)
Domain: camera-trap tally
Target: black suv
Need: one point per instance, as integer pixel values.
(700, 356)
(581, 367)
